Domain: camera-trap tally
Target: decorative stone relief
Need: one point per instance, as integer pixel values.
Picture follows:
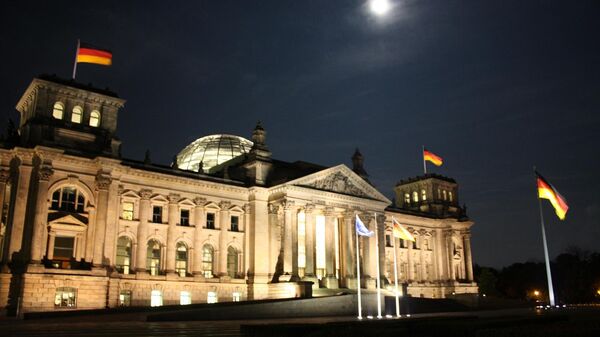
(103, 181)
(145, 194)
(339, 183)
(45, 173)
(173, 198)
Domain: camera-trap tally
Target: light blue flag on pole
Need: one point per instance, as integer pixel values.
(361, 229)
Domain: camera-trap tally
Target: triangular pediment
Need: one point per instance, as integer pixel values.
(66, 219)
(340, 179)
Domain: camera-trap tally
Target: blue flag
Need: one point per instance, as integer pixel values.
(361, 229)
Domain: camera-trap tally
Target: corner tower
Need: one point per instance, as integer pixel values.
(65, 114)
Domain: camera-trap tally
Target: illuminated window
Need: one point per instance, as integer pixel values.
(68, 199)
(184, 217)
(123, 262)
(156, 214)
(95, 118)
(237, 296)
(212, 297)
(58, 110)
(423, 195)
(185, 298)
(301, 240)
(415, 196)
(181, 259)
(153, 257)
(125, 298)
(207, 260)
(76, 115)
(232, 262)
(439, 193)
(127, 213)
(445, 195)
(235, 223)
(65, 297)
(210, 220)
(156, 298)
(450, 196)
(407, 198)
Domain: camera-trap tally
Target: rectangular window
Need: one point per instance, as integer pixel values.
(63, 247)
(65, 297)
(157, 214)
(212, 297)
(184, 219)
(414, 243)
(127, 213)
(210, 220)
(388, 240)
(156, 299)
(185, 298)
(237, 296)
(235, 221)
(125, 298)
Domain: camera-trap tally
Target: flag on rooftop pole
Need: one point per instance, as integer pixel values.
(545, 190)
(431, 157)
(87, 53)
(361, 230)
(398, 232)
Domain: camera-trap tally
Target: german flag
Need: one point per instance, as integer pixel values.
(87, 53)
(430, 156)
(400, 232)
(547, 191)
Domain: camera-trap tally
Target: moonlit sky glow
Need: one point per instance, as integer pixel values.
(379, 7)
(493, 87)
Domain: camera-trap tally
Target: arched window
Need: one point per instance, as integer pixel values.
(445, 195)
(232, 262)
(123, 263)
(450, 196)
(415, 196)
(76, 114)
(423, 195)
(181, 258)
(207, 260)
(153, 257)
(58, 110)
(68, 199)
(406, 198)
(95, 118)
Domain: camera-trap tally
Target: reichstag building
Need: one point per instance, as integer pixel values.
(84, 228)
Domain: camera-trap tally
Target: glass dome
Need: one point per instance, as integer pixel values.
(211, 151)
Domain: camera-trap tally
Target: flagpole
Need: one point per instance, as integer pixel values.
(548, 272)
(424, 162)
(377, 264)
(358, 273)
(395, 271)
(75, 63)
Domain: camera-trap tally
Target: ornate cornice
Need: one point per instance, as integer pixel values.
(45, 173)
(173, 198)
(103, 181)
(200, 201)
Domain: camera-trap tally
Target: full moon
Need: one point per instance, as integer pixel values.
(379, 7)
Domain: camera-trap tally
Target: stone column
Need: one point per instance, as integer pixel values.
(450, 249)
(434, 256)
(288, 208)
(409, 259)
(294, 247)
(421, 273)
(199, 223)
(309, 245)
(442, 253)
(89, 236)
(51, 237)
(246, 238)
(224, 225)
(349, 248)
(258, 272)
(331, 281)
(172, 231)
(381, 236)
(19, 210)
(274, 242)
(4, 176)
(41, 214)
(142, 231)
(467, 257)
(103, 182)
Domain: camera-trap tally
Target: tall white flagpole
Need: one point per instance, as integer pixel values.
(377, 264)
(424, 162)
(358, 272)
(548, 272)
(396, 271)
(75, 63)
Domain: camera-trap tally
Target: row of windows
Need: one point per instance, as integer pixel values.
(184, 216)
(442, 195)
(76, 114)
(66, 297)
(153, 258)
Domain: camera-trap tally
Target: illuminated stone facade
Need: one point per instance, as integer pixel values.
(84, 228)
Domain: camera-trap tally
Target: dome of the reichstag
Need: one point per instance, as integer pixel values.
(211, 151)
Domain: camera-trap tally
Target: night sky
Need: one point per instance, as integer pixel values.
(493, 87)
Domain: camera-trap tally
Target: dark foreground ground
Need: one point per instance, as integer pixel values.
(569, 322)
